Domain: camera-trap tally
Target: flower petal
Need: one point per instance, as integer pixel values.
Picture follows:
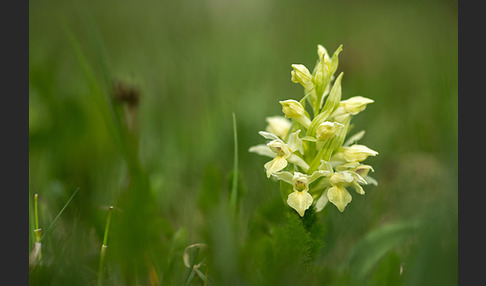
(300, 201)
(317, 174)
(277, 164)
(298, 161)
(371, 180)
(295, 143)
(358, 188)
(269, 136)
(284, 176)
(356, 177)
(322, 202)
(353, 139)
(339, 197)
(263, 150)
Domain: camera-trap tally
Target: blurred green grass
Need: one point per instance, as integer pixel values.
(197, 62)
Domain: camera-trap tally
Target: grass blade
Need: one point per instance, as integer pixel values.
(51, 226)
(234, 185)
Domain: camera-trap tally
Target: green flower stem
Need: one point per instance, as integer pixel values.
(37, 230)
(36, 218)
(104, 246)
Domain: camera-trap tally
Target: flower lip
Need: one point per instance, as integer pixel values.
(299, 201)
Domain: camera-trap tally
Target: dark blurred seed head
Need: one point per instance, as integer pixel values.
(126, 93)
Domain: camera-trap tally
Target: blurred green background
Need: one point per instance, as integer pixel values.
(194, 64)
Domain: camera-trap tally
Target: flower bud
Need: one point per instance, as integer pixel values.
(357, 153)
(293, 109)
(301, 75)
(322, 54)
(327, 130)
(355, 104)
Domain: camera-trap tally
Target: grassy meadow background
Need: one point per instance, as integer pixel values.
(169, 174)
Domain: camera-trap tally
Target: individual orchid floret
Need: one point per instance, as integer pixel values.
(281, 152)
(278, 125)
(300, 199)
(338, 194)
(360, 169)
(293, 109)
(353, 153)
(326, 130)
(351, 106)
(300, 74)
(355, 104)
(357, 153)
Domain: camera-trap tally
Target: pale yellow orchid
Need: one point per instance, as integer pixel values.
(300, 74)
(293, 109)
(351, 106)
(360, 169)
(353, 153)
(278, 125)
(339, 181)
(281, 152)
(327, 129)
(300, 199)
(324, 131)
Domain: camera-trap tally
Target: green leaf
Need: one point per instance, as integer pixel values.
(335, 60)
(371, 248)
(234, 185)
